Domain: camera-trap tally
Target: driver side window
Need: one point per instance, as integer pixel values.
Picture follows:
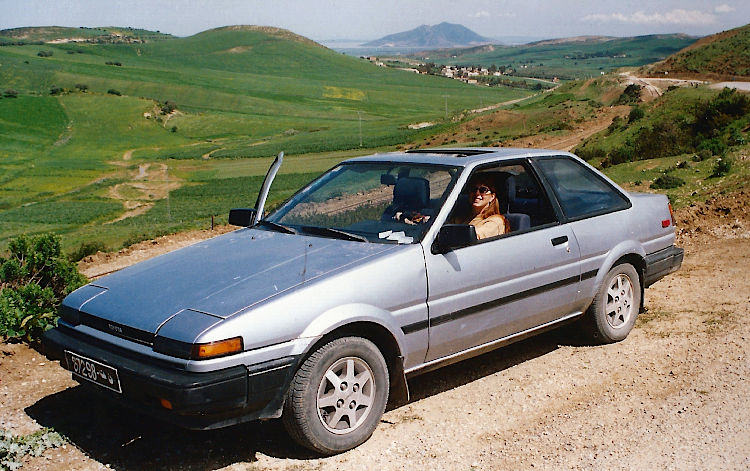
(517, 194)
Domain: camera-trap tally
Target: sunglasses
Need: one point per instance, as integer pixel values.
(481, 189)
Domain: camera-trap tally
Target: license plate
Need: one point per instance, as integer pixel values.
(93, 371)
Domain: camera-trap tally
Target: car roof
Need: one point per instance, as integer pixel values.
(459, 157)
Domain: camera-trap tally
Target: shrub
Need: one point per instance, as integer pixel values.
(44, 53)
(622, 154)
(702, 155)
(616, 124)
(722, 167)
(10, 93)
(168, 107)
(112, 91)
(86, 249)
(635, 114)
(631, 94)
(667, 181)
(33, 280)
(715, 146)
(14, 448)
(55, 90)
(82, 87)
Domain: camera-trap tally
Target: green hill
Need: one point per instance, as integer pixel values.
(721, 56)
(568, 58)
(61, 34)
(72, 112)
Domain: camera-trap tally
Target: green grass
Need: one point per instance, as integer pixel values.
(240, 93)
(572, 60)
(699, 186)
(724, 54)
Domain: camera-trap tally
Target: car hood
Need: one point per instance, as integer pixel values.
(221, 276)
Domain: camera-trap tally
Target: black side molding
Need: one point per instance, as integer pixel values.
(661, 263)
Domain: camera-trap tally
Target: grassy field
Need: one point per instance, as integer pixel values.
(78, 119)
(723, 55)
(568, 60)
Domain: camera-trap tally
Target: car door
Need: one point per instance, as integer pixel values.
(502, 286)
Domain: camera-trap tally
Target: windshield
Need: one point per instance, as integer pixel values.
(373, 201)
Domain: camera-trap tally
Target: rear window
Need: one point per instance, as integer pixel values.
(580, 191)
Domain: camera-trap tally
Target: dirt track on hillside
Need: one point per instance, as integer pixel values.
(673, 395)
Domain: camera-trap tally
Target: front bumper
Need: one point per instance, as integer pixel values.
(661, 263)
(199, 401)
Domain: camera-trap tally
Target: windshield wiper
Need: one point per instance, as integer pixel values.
(331, 232)
(276, 226)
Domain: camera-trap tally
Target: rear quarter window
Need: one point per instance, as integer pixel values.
(580, 191)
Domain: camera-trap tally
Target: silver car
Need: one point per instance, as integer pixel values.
(320, 311)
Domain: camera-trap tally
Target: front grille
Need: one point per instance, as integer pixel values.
(119, 330)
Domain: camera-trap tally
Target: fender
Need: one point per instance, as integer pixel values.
(344, 314)
(624, 248)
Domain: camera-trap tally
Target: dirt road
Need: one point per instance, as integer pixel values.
(673, 395)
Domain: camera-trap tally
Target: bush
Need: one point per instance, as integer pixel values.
(635, 114)
(667, 181)
(44, 53)
(702, 155)
(722, 167)
(86, 249)
(112, 91)
(13, 448)
(622, 154)
(631, 94)
(616, 124)
(82, 87)
(10, 93)
(33, 280)
(55, 90)
(168, 107)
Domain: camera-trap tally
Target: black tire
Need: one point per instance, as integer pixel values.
(612, 314)
(328, 418)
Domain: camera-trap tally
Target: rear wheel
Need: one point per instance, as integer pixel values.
(337, 396)
(612, 314)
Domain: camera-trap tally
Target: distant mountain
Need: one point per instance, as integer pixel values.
(437, 36)
(720, 56)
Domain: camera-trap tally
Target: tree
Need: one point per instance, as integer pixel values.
(10, 93)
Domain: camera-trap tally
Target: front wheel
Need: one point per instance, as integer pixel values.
(337, 396)
(612, 314)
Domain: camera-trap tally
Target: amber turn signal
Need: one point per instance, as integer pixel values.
(202, 351)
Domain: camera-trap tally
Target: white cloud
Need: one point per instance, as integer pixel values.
(480, 14)
(724, 8)
(674, 17)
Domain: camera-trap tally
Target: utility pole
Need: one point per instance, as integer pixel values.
(169, 208)
(359, 113)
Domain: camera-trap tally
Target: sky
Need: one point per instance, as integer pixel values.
(371, 19)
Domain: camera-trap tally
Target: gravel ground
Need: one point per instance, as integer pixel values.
(673, 395)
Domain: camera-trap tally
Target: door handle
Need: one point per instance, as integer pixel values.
(559, 240)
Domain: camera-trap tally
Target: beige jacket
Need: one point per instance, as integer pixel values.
(492, 226)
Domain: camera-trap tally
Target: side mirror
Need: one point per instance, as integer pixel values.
(241, 216)
(454, 236)
(387, 179)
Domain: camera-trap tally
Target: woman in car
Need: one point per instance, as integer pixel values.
(484, 210)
